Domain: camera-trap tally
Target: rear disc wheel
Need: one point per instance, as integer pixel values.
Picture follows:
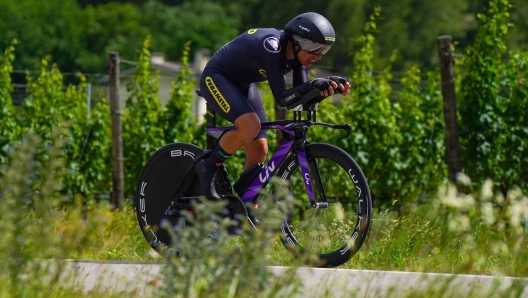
(157, 183)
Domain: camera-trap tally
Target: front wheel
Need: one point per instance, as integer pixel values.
(331, 233)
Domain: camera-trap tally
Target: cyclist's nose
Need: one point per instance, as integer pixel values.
(317, 57)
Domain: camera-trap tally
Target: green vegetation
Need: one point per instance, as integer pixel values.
(455, 233)
(481, 232)
(399, 143)
(55, 166)
(494, 98)
(78, 33)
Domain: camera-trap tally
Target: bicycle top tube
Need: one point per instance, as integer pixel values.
(286, 126)
(280, 125)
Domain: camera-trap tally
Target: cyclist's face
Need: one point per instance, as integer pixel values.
(308, 59)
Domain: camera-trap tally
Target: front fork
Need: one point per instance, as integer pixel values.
(307, 167)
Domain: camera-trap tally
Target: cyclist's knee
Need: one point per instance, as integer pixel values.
(248, 126)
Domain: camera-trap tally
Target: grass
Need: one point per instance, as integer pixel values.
(477, 232)
(417, 242)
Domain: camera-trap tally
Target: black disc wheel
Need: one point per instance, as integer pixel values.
(157, 183)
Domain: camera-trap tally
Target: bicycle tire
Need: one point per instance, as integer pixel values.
(157, 183)
(326, 237)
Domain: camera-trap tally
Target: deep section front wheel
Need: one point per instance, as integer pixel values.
(329, 233)
(157, 183)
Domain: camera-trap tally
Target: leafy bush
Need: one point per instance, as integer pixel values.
(143, 121)
(49, 104)
(9, 126)
(422, 166)
(242, 269)
(180, 125)
(398, 145)
(493, 103)
(30, 193)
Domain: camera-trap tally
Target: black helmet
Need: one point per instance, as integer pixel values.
(311, 26)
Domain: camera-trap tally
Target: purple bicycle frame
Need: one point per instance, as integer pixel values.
(273, 164)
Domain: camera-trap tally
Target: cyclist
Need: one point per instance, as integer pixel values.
(228, 84)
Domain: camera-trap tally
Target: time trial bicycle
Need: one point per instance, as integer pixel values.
(333, 211)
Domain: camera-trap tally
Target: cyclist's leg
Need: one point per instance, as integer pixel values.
(257, 149)
(230, 103)
(256, 152)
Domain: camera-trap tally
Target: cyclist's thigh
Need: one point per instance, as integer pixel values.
(223, 95)
(254, 100)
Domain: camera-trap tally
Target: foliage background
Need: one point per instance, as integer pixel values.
(398, 137)
(55, 156)
(76, 33)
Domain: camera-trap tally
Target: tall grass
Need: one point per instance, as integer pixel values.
(228, 266)
(477, 231)
(40, 229)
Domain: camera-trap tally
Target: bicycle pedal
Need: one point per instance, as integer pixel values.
(252, 218)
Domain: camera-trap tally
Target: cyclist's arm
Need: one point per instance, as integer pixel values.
(283, 96)
(299, 74)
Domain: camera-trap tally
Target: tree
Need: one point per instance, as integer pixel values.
(207, 24)
(42, 28)
(410, 27)
(111, 27)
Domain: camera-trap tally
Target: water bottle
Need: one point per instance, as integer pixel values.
(246, 178)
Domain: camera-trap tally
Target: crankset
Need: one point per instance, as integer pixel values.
(235, 210)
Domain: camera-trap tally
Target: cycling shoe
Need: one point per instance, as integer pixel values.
(207, 181)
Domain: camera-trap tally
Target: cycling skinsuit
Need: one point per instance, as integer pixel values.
(228, 80)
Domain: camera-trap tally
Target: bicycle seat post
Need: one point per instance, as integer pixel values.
(210, 117)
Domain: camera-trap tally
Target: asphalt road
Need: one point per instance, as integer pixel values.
(145, 278)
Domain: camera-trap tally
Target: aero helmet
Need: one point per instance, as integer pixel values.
(312, 32)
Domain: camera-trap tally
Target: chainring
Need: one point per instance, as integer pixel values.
(236, 210)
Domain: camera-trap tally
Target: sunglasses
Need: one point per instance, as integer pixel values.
(312, 47)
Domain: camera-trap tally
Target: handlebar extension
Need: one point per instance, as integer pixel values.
(309, 99)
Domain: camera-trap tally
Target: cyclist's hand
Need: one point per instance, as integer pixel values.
(342, 84)
(325, 86)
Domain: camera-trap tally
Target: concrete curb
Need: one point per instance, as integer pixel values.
(146, 278)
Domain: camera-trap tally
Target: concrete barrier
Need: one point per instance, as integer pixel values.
(146, 278)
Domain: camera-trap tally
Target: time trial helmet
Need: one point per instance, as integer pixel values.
(312, 32)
